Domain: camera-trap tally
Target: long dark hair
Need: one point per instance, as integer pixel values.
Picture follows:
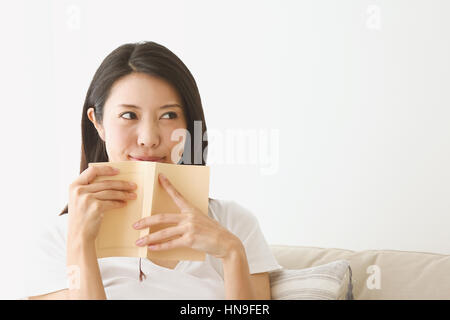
(155, 60)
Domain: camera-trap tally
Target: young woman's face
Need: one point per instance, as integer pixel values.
(143, 132)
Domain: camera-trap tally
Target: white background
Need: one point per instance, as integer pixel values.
(358, 92)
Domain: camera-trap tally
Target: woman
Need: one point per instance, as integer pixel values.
(139, 96)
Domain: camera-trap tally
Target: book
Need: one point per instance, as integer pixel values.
(117, 237)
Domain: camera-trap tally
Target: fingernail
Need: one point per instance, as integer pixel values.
(136, 225)
(140, 242)
(163, 176)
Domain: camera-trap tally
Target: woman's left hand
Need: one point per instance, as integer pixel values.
(197, 230)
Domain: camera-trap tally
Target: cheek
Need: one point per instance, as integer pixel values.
(118, 138)
(173, 136)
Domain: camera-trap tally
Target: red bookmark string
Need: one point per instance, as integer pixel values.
(141, 274)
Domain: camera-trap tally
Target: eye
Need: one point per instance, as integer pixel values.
(171, 113)
(126, 113)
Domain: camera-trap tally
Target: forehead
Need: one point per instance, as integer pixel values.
(142, 90)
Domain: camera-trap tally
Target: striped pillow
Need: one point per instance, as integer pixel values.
(331, 281)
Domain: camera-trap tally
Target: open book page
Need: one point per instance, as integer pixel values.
(192, 182)
(117, 237)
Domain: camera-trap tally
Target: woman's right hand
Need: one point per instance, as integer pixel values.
(88, 201)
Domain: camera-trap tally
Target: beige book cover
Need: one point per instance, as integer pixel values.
(117, 237)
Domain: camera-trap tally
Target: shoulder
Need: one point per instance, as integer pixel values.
(47, 254)
(231, 214)
(243, 223)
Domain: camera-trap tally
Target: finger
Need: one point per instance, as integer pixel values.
(109, 185)
(158, 219)
(179, 200)
(105, 205)
(89, 175)
(114, 195)
(175, 243)
(160, 235)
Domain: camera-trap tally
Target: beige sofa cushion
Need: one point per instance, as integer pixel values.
(399, 274)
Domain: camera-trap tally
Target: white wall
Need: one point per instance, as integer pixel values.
(354, 95)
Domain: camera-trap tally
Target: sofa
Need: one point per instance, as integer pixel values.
(378, 274)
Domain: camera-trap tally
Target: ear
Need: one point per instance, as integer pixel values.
(99, 127)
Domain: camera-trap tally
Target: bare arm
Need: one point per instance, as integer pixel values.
(238, 285)
(88, 200)
(85, 280)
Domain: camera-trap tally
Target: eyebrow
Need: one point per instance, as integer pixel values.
(162, 107)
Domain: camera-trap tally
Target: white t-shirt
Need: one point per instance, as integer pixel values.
(120, 275)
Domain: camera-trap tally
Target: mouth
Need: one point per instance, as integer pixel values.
(153, 159)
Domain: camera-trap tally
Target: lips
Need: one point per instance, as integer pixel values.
(141, 158)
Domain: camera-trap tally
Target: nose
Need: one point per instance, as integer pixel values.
(149, 135)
